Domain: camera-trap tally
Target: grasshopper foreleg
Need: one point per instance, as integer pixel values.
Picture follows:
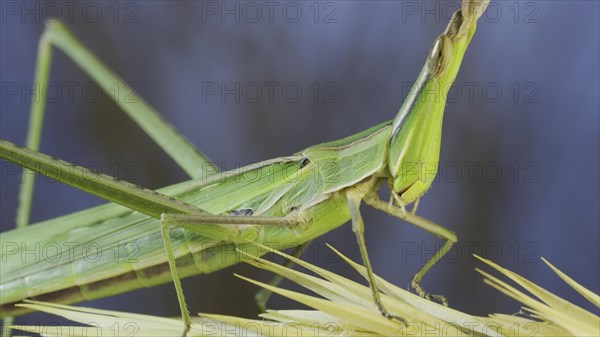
(448, 236)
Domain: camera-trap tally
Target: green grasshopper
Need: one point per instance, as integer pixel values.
(283, 202)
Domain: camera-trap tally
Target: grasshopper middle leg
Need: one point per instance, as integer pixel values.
(206, 225)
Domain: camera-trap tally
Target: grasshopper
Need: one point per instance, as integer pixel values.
(289, 200)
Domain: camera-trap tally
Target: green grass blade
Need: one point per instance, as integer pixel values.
(34, 131)
(193, 162)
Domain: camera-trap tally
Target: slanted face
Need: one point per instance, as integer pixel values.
(414, 147)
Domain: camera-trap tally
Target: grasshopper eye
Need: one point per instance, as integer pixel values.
(472, 10)
(440, 56)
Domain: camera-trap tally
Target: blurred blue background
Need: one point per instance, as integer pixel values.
(519, 172)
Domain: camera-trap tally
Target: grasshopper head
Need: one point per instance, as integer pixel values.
(416, 131)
